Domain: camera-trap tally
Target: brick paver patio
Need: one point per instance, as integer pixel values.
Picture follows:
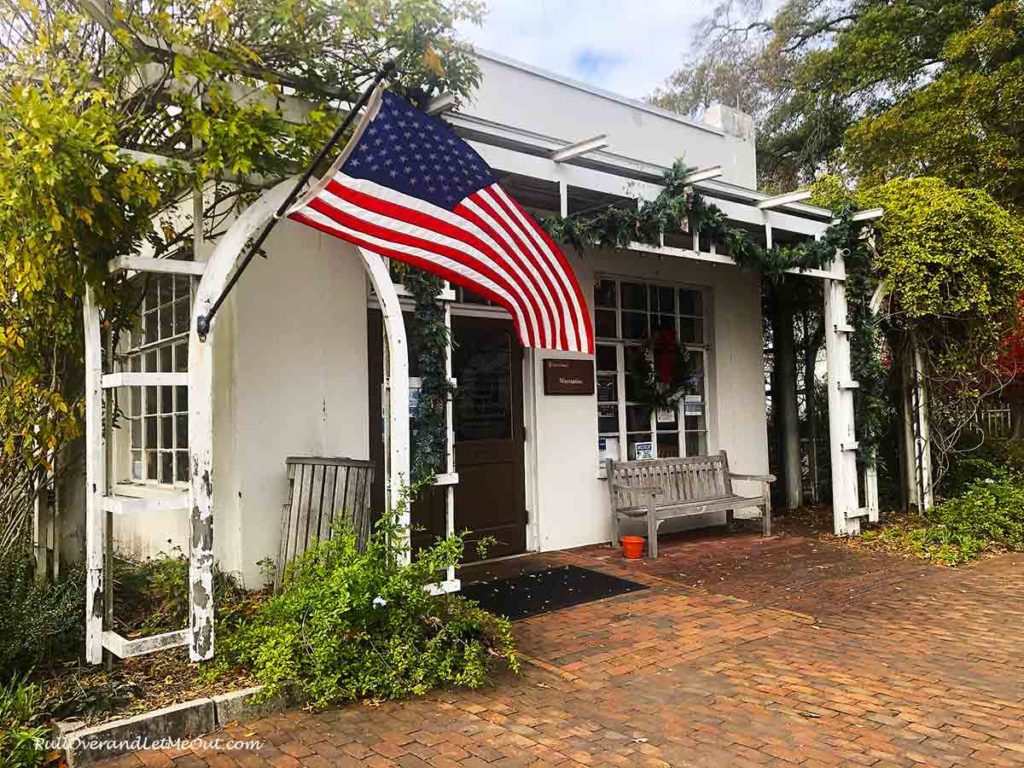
(743, 652)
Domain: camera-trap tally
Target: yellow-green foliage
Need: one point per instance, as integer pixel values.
(953, 260)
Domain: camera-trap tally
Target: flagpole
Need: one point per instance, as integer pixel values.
(203, 321)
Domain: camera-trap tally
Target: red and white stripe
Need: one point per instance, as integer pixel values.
(488, 244)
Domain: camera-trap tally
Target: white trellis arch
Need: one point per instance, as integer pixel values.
(216, 273)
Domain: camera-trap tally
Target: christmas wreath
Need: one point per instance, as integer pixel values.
(662, 370)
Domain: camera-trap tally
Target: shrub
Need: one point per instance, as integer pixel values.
(38, 622)
(352, 624)
(980, 457)
(152, 595)
(21, 729)
(987, 515)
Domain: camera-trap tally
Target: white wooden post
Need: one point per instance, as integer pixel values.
(917, 460)
(846, 510)
(95, 478)
(396, 381)
(200, 417)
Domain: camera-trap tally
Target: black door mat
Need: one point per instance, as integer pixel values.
(539, 592)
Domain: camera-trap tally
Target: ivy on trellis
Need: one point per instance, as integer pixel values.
(679, 209)
(430, 338)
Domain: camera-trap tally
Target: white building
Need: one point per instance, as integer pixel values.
(297, 363)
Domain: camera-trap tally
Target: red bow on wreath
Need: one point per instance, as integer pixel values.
(666, 352)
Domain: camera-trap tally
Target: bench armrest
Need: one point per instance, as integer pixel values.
(760, 478)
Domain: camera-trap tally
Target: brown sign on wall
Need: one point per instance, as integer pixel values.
(568, 377)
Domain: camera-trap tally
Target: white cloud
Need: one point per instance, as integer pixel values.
(625, 46)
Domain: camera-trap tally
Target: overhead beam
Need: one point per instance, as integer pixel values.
(578, 148)
(703, 174)
(779, 200)
(443, 103)
(868, 215)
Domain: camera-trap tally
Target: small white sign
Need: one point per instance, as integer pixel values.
(666, 415)
(644, 450)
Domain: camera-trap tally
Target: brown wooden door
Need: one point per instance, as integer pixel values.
(490, 499)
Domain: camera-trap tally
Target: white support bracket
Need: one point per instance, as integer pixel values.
(578, 148)
(164, 266)
(777, 201)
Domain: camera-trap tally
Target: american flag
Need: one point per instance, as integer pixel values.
(407, 187)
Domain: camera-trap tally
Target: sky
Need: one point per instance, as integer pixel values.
(626, 46)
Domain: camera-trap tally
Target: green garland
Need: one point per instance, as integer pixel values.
(430, 339)
(678, 207)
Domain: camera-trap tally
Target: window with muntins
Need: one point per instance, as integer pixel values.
(158, 416)
(626, 314)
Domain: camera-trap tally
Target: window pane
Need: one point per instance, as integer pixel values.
(690, 302)
(136, 432)
(663, 299)
(135, 401)
(182, 398)
(180, 316)
(608, 418)
(167, 432)
(151, 467)
(166, 399)
(634, 325)
(151, 430)
(694, 421)
(166, 467)
(137, 465)
(668, 445)
(181, 357)
(638, 417)
(165, 359)
(633, 296)
(181, 436)
(691, 330)
(166, 322)
(604, 294)
(606, 388)
(151, 327)
(181, 466)
(606, 357)
(604, 322)
(696, 444)
(695, 384)
(151, 361)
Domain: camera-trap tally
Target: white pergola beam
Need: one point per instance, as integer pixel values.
(579, 148)
(703, 174)
(777, 201)
(443, 103)
(868, 215)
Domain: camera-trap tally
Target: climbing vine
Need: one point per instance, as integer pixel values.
(430, 340)
(678, 208)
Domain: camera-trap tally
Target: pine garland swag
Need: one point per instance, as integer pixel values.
(678, 207)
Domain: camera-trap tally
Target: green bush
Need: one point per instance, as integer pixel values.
(979, 457)
(352, 624)
(987, 515)
(38, 622)
(151, 595)
(21, 729)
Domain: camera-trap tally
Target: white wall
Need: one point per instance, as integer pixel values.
(511, 95)
(289, 380)
(571, 502)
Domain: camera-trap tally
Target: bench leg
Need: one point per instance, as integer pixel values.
(766, 516)
(616, 537)
(652, 533)
(730, 521)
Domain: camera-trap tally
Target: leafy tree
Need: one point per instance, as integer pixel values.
(236, 94)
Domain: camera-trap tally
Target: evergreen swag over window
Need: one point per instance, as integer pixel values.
(678, 207)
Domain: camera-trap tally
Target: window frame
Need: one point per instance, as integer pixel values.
(620, 344)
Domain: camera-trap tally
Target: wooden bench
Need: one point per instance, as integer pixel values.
(663, 489)
(322, 492)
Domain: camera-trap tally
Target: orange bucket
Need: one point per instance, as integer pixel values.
(632, 547)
